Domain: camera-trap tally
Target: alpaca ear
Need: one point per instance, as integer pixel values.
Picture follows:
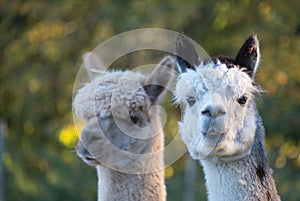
(160, 78)
(92, 64)
(186, 55)
(249, 55)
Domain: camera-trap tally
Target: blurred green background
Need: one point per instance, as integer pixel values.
(41, 47)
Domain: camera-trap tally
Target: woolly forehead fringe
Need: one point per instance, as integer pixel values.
(210, 76)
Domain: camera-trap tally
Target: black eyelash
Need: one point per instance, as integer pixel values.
(191, 101)
(242, 100)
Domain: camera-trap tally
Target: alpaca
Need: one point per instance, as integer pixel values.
(221, 126)
(123, 137)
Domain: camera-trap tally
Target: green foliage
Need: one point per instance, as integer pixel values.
(42, 43)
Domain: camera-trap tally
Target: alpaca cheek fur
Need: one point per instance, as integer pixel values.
(189, 130)
(192, 135)
(240, 138)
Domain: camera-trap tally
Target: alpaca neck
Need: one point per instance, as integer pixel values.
(132, 181)
(115, 186)
(247, 178)
(238, 180)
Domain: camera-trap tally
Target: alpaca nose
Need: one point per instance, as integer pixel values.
(214, 111)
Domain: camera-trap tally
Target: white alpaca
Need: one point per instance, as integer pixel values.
(123, 137)
(221, 126)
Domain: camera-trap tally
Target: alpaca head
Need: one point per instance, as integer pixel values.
(121, 113)
(217, 97)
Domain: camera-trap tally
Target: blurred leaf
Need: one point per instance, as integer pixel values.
(42, 43)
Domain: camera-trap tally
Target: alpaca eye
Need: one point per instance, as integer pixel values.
(242, 100)
(191, 101)
(134, 119)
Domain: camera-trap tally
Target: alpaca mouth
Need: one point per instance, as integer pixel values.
(90, 160)
(85, 155)
(213, 132)
(214, 127)
(213, 137)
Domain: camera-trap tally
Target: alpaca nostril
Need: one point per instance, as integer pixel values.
(206, 112)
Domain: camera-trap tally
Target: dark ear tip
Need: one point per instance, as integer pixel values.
(180, 36)
(186, 55)
(249, 55)
(181, 41)
(253, 36)
(252, 40)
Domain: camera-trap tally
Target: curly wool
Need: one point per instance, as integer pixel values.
(114, 92)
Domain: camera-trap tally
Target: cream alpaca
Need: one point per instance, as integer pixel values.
(123, 137)
(221, 126)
